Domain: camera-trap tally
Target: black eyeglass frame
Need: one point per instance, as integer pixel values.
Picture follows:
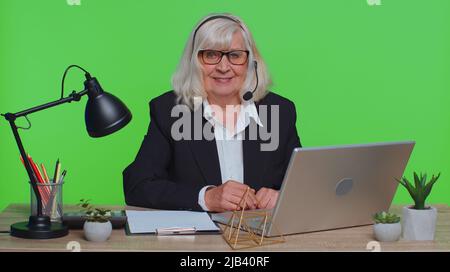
(222, 53)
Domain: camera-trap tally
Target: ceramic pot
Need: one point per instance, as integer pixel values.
(419, 225)
(387, 232)
(96, 231)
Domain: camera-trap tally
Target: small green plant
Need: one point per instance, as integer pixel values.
(421, 189)
(94, 214)
(386, 218)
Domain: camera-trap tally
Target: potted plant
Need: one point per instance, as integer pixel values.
(387, 227)
(419, 221)
(97, 227)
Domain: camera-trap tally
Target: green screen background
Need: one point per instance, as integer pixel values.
(357, 74)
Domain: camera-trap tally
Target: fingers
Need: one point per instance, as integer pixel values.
(235, 185)
(238, 190)
(250, 200)
(264, 202)
(273, 201)
(228, 205)
(262, 197)
(249, 194)
(229, 196)
(267, 198)
(235, 201)
(218, 200)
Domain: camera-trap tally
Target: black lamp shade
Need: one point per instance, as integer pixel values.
(105, 113)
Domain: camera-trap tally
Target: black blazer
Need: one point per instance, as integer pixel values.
(169, 174)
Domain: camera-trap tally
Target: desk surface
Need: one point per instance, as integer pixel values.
(350, 239)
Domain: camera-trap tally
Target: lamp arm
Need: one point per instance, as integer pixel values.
(11, 117)
(74, 96)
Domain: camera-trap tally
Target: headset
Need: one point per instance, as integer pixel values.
(249, 94)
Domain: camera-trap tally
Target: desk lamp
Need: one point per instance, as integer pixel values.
(104, 114)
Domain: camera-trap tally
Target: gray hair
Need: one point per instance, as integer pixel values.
(187, 80)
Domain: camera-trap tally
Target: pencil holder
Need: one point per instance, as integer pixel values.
(51, 196)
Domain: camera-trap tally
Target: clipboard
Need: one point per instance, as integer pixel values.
(166, 223)
(168, 232)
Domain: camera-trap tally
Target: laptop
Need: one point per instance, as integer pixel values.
(336, 187)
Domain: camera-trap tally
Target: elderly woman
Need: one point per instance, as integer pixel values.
(221, 84)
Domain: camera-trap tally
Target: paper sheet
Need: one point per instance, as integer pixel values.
(149, 221)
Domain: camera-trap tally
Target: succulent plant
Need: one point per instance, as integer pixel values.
(386, 218)
(421, 189)
(94, 214)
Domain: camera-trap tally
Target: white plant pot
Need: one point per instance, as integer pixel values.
(387, 232)
(419, 225)
(96, 231)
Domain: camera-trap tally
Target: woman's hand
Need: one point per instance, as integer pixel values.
(267, 198)
(227, 196)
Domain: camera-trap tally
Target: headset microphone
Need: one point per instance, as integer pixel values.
(249, 95)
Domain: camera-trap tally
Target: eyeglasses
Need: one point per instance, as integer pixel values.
(236, 57)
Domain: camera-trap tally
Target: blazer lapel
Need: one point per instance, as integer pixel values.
(205, 154)
(254, 160)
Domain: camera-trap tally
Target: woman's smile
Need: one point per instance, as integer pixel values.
(222, 80)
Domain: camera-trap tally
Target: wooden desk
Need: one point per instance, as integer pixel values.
(350, 239)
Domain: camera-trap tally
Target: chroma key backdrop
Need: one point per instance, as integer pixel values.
(359, 71)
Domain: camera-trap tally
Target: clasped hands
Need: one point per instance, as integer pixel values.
(227, 197)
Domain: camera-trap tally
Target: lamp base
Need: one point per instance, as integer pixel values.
(39, 227)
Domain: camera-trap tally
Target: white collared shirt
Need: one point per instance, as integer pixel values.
(229, 144)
